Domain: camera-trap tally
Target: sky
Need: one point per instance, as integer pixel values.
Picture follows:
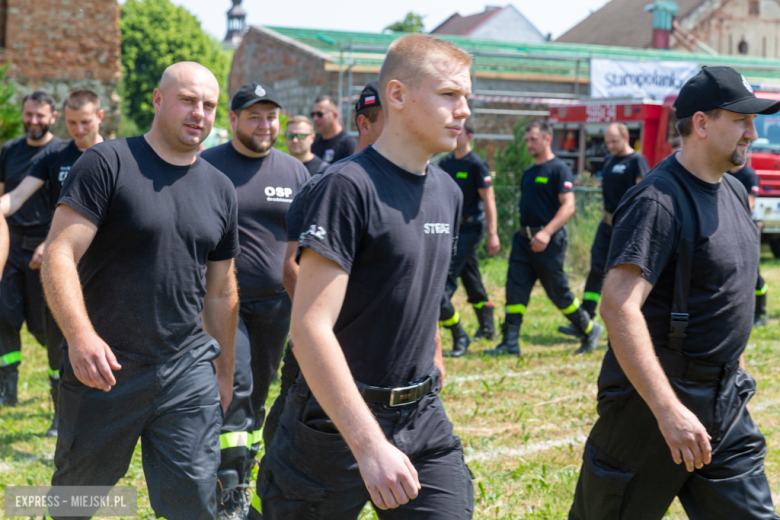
(549, 16)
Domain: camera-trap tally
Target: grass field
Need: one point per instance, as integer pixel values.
(523, 421)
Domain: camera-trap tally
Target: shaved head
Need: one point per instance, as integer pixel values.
(185, 104)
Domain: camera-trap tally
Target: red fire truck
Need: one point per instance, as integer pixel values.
(578, 139)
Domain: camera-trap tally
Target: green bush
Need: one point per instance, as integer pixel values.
(10, 113)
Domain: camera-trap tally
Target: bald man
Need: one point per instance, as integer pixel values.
(150, 315)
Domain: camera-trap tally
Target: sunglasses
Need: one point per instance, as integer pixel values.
(317, 114)
(291, 136)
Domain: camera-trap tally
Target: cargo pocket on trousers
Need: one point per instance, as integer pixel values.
(605, 480)
(286, 493)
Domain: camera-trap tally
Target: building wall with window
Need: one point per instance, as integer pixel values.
(61, 45)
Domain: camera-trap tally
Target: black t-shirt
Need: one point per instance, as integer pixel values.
(298, 208)
(725, 260)
(471, 173)
(16, 159)
(394, 232)
(53, 168)
(336, 148)
(619, 175)
(265, 187)
(158, 224)
(749, 179)
(540, 187)
(315, 164)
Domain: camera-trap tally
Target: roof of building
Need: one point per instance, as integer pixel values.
(563, 61)
(622, 23)
(464, 25)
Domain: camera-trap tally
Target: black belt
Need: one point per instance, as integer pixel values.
(529, 232)
(470, 219)
(395, 396)
(682, 367)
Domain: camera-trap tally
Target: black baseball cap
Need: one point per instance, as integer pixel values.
(369, 97)
(721, 87)
(252, 93)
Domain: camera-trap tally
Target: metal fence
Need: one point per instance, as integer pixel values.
(581, 227)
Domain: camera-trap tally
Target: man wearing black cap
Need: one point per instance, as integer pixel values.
(369, 118)
(686, 263)
(749, 179)
(471, 174)
(332, 143)
(266, 181)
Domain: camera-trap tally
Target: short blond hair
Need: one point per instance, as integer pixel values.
(300, 119)
(621, 129)
(410, 59)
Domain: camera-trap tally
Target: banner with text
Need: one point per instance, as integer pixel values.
(650, 79)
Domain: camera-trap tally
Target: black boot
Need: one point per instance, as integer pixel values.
(760, 318)
(487, 325)
(590, 339)
(460, 340)
(10, 377)
(231, 496)
(54, 388)
(588, 306)
(510, 341)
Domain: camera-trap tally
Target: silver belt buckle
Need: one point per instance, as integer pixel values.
(528, 232)
(401, 396)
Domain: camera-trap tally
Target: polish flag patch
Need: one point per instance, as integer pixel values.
(568, 185)
(370, 100)
(754, 189)
(488, 179)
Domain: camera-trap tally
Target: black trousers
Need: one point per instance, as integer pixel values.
(598, 263)
(527, 266)
(21, 300)
(175, 410)
(262, 331)
(465, 265)
(310, 471)
(54, 343)
(628, 471)
(290, 371)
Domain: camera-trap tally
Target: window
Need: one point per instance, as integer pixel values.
(754, 8)
(742, 48)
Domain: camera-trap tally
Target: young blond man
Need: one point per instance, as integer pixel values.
(365, 422)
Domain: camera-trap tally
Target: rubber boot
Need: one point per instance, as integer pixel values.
(460, 340)
(487, 325)
(10, 376)
(231, 496)
(760, 318)
(588, 306)
(54, 388)
(510, 341)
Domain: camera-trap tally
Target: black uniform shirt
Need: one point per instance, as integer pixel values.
(298, 209)
(266, 187)
(16, 159)
(619, 175)
(471, 173)
(540, 188)
(53, 168)
(315, 164)
(158, 225)
(725, 260)
(394, 232)
(336, 148)
(749, 179)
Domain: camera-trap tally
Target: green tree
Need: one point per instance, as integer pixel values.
(156, 34)
(514, 158)
(412, 23)
(10, 113)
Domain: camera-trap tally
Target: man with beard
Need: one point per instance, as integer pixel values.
(21, 294)
(266, 181)
(332, 143)
(623, 169)
(139, 273)
(300, 136)
(749, 179)
(82, 119)
(678, 305)
(539, 248)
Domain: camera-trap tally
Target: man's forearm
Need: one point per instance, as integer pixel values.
(562, 216)
(491, 215)
(220, 320)
(5, 242)
(326, 371)
(63, 291)
(630, 340)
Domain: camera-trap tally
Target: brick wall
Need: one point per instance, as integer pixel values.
(61, 45)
